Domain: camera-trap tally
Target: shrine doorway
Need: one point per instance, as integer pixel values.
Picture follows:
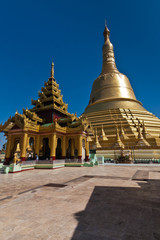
(16, 142)
(31, 143)
(75, 153)
(30, 149)
(59, 149)
(46, 149)
(68, 151)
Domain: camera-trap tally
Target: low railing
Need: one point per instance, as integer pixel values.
(150, 161)
(72, 160)
(28, 162)
(56, 161)
(44, 161)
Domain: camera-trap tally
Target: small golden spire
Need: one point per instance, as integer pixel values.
(118, 143)
(89, 139)
(52, 70)
(144, 131)
(122, 133)
(141, 140)
(117, 134)
(103, 135)
(96, 139)
(140, 136)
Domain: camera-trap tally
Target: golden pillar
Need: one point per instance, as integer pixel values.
(28, 143)
(64, 147)
(8, 150)
(80, 147)
(24, 146)
(87, 150)
(37, 144)
(53, 147)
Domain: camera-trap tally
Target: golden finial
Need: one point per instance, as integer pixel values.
(52, 70)
(106, 32)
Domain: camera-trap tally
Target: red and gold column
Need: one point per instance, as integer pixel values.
(87, 150)
(24, 146)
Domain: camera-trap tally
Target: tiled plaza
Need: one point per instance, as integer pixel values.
(87, 203)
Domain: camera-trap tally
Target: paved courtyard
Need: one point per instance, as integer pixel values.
(101, 203)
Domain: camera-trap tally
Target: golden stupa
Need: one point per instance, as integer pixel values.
(119, 119)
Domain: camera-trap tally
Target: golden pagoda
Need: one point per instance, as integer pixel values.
(47, 130)
(127, 125)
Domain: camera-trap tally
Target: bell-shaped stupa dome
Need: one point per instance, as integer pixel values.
(111, 89)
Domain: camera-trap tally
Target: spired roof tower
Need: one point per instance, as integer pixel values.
(50, 106)
(114, 107)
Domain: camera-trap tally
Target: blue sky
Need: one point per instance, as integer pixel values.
(71, 33)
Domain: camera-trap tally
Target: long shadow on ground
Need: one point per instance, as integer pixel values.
(114, 213)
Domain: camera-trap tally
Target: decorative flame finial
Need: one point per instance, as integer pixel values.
(52, 70)
(106, 32)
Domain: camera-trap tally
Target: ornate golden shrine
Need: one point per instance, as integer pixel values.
(47, 129)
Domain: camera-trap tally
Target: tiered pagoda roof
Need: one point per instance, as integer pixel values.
(50, 100)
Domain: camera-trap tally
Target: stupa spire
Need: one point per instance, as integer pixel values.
(109, 65)
(52, 70)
